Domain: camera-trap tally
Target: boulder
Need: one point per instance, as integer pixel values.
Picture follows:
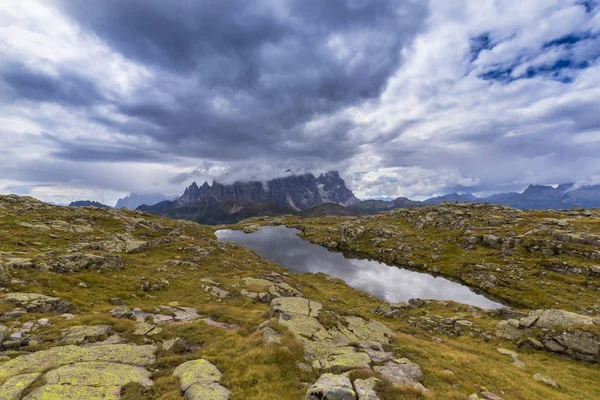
(331, 387)
(81, 334)
(270, 335)
(559, 318)
(199, 379)
(89, 378)
(38, 303)
(401, 372)
(505, 330)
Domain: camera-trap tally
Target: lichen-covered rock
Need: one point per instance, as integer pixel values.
(199, 379)
(271, 336)
(505, 330)
(559, 318)
(546, 380)
(147, 329)
(13, 387)
(331, 387)
(38, 303)
(121, 311)
(295, 306)
(176, 345)
(80, 334)
(580, 342)
(369, 330)
(55, 357)
(120, 243)
(401, 372)
(365, 388)
(98, 374)
(81, 261)
(74, 392)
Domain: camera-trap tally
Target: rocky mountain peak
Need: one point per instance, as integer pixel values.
(299, 192)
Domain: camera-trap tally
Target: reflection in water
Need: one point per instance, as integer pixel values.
(282, 245)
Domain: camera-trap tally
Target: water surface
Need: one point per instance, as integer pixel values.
(390, 283)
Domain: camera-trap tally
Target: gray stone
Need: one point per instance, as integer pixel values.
(38, 303)
(365, 388)
(331, 387)
(559, 318)
(199, 379)
(401, 372)
(122, 311)
(270, 335)
(505, 330)
(81, 334)
(546, 380)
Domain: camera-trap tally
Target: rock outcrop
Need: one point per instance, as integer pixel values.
(558, 331)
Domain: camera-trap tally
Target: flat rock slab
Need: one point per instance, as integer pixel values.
(295, 306)
(55, 357)
(331, 387)
(98, 374)
(369, 330)
(68, 392)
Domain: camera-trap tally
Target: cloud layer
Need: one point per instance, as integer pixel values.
(406, 97)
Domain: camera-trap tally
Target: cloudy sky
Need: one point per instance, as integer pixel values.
(404, 97)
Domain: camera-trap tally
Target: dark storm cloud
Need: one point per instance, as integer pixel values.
(404, 97)
(68, 88)
(276, 64)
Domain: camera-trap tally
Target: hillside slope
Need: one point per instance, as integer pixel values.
(108, 304)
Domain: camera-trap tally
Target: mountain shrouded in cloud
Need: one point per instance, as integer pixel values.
(403, 97)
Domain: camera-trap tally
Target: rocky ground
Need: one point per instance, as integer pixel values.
(118, 304)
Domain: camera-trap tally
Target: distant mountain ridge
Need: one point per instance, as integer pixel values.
(87, 203)
(535, 197)
(134, 200)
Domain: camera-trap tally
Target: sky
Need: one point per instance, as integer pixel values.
(403, 97)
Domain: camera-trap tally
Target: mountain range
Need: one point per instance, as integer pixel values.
(309, 196)
(134, 200)
(535, 197)
(327, 194)
(219, 203)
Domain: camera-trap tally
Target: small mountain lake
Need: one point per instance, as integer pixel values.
(390, 283)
